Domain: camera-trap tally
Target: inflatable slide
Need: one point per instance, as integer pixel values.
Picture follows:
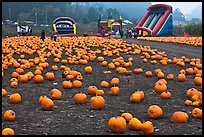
(157, 21)
(64, 25)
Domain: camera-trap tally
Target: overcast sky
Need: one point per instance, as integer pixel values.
(185, 7)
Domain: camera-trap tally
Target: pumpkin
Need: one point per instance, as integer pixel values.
(160, 75)
(115, 81)
(198, 81)
(8, 131)
(14, 74)
(47, 104)
(141, 93)
(4, 92)
(192, 91)
(104, 84)
(15, 98)
(104, 63)
(100, 59)
(195, 98)
(88, 69)
(148, 73)
(13, 80)
(147, 128)
(38, 78)
(69, 77)
(38, 72)
(77, 84)
(19, 70)
(188, 102)
(189, 71)
(67, 84)
(54, 67)
(165, 95)
(41, 98)
(117, 124)
(144, 60)
(55, 94)
(196, 103)
(23, 78)
(97, 102)
(135, 98)
(134, 124)
(154, 112)
(114, 91)
(92, 90)
(170, 76)
(179, 117)
(156, 71)
(160, 87)
(161, 81)
(49, 75)
(99, 92)
(127, 116)
(14, 84)
(197, 113)
(79, 77)
(181, 77)
(80, 98)
(9, 115)
(138, 70)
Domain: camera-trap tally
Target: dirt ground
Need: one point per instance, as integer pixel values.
(68, 118)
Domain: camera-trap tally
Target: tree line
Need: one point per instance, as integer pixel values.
(46, 12)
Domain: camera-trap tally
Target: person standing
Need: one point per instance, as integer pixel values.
(43, 35)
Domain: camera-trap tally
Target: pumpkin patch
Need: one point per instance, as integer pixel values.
(112, 85)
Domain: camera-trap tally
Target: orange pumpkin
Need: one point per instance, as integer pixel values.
(198, 81)
(197, 113)
(38, 78)
(135, 98)
(148, 73)
(147, 128)
(114, 91)
(55, 94)
(115, 81)
(88, 69)
(97, 102)
(160, 87)
(165, 95)
(117, 124)
(14, 84)
(77, 84)
(179, 117)
(80, 98)
(15, 98)
(188, 102)
(181, 77)
(67, 84)
(8, 131)
(4, 92)
(127, 116)
(92, 90)
(49, 75)
(154, 112)
(9, 115)
(134, 124)
(47, 104)
(104, 84)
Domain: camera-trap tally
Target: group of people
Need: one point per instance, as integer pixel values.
(53, 36)
(129, 33)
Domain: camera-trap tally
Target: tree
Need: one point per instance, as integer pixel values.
(92, 14)
(85, 20)
(178, 15)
